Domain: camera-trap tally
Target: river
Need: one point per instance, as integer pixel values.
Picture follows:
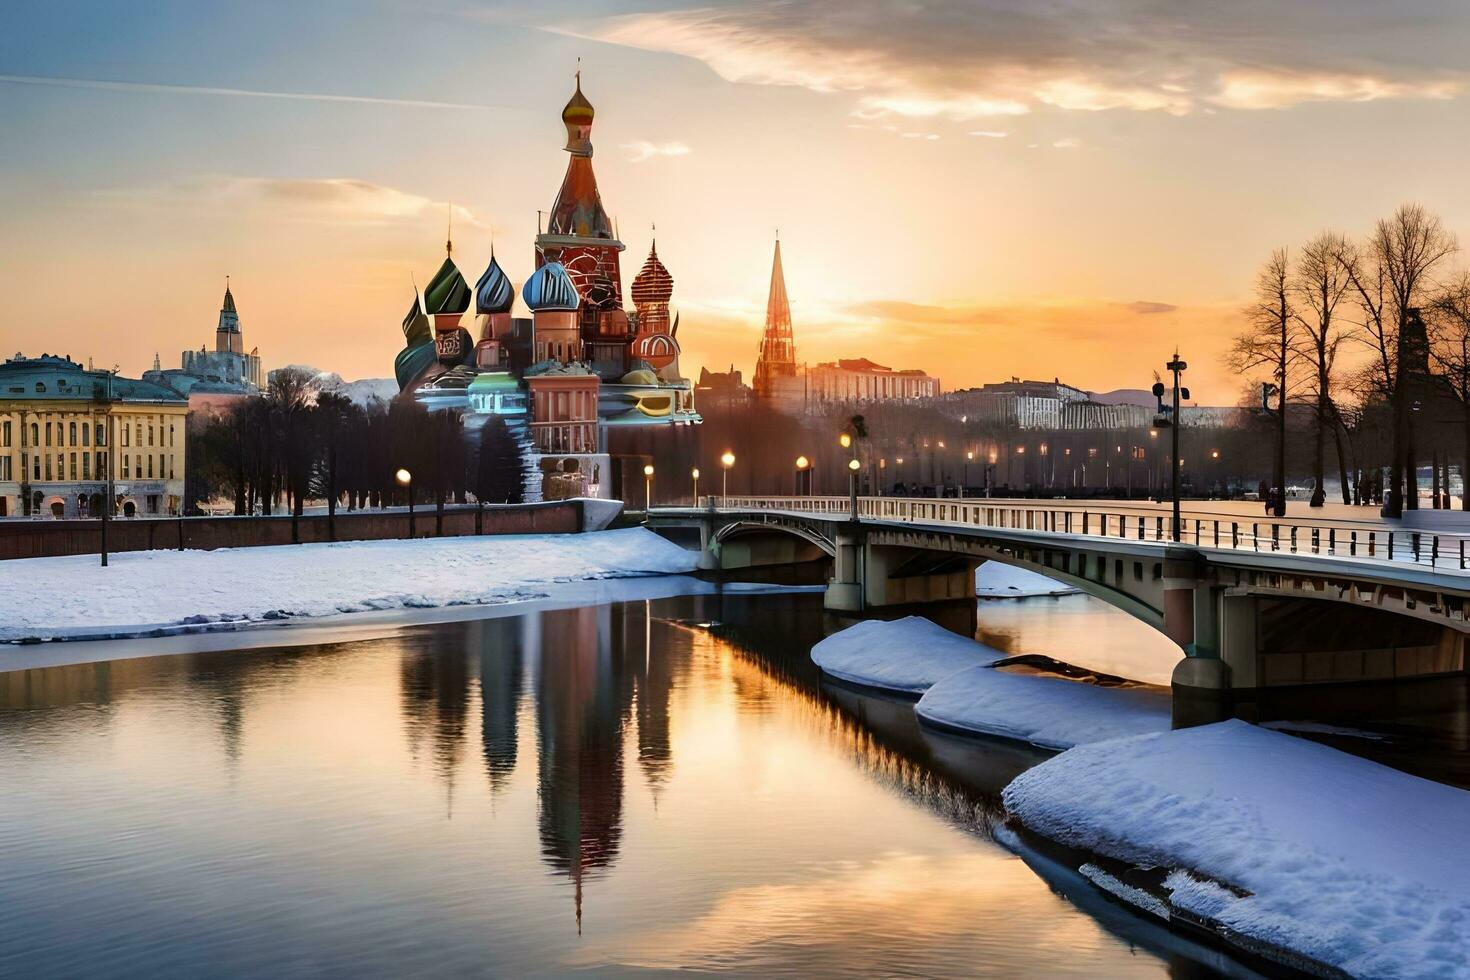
(624, 788)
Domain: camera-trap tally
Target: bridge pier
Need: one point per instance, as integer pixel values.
(866, 576)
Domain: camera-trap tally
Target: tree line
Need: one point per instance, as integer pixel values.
(1372, 335)
(302, 441)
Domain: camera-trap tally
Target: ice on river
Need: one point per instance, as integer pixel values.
(1281, 839)
(146, 591)
(905, 655)
(997, 580)
(1051, 712)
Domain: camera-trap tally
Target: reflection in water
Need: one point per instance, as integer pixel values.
(698, 797)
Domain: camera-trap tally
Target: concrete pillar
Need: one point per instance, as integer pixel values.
(845, 589)
(1238, 640)
(1180, 580)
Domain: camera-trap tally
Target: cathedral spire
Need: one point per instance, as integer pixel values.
(778, 346)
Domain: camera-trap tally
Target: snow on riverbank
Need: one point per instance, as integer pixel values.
(146, 591)
(997, 580)
(1280, 839)
(905, 655)
(1046, 711)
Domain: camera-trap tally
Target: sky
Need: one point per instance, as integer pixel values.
(981, 190)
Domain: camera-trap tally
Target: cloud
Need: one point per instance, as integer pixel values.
(333, 200)
(993, 134)
(1067, 143)
(1144, 306)
(641, 150)
(998, 58)
(102, 85)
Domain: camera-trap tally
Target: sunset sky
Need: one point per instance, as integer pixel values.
(981, 190)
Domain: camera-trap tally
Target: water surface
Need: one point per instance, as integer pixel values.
(612, 789)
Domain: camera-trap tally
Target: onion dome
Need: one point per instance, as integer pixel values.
(653, 284)
(447, 292)
(577, 115)
(600, 293)
(550, 288)
(416, 329)
(494, 293)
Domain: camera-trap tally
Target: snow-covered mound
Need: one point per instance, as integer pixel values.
(997, 580)
(1046, 711)
(905, 655)
(1282, 840)
(145, 591)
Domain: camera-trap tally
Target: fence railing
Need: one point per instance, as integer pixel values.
(1201, 528)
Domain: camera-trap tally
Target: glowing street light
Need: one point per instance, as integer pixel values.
(852, 471)
(726, 461)
(695, 473)
(647, 487)
(802, 466)
(405, 479)
(845, 440)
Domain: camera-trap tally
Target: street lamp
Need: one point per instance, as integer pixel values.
(844, 440)
(695, 473)
(852, 470)
(405, 479)
(726, 461)
(802, 465)
(647, 488)
(969, 458)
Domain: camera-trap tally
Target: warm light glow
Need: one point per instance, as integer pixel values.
(844, 440)
(648, 470)
(403, 477)
(1153, 433)
(694, 472)
(900, 461)
(727, 460)
(853, 465)
(1020, 450)
(969, 454)
(802, 462)
(1214, 454)
(941, 443)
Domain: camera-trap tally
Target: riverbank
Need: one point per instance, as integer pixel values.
(159, 593)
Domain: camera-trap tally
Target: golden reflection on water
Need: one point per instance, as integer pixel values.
(601, 788)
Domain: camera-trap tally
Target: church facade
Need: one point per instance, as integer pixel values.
(581, 367)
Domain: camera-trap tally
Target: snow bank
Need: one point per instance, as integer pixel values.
(1282, 840)
(1046, 711)
(145, 591)
(905, 655)
(997, 580)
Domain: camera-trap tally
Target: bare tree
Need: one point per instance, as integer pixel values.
(1318, 284)
(1450, 351)
(1391, 278)
(1269, 342)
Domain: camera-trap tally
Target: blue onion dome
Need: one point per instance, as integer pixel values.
(447, 292)
(494, 293)
(550, 288)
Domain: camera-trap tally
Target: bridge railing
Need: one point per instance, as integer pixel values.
(1198, 527)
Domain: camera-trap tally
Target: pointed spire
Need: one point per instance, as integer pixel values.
(778, 307)
(449, 232)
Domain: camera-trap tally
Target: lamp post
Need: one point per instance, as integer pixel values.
(969, 458)
(852, 470)
(107, 481)
(1176, 367)
(726, 461)
(695, 473)
(405, 479)
(803, 466)
(647, 488)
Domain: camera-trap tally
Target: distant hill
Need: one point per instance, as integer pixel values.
(362, 392)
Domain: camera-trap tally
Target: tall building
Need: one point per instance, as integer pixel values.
(777, 378)
(225, 370)
(59, 424)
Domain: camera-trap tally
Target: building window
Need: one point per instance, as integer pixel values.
(171, 468)
(48, 433)
(72, 468)
(36, 468)
(35, 434)
(101, 435)
(150, 466)
(5, 468)
(5, 433)
(86, 465)
(86, 434)
(150, 433)
(126, 472)
(40, 387)
(71, 433)
(48, 468)
(125, 430)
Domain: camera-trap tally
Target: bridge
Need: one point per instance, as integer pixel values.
(1250, 603)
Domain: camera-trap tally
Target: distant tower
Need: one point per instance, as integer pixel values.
(227, 336)
(775, 369)
(652, 289)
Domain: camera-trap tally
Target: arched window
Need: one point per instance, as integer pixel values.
(71, 432)
(86, 434)
(35, 434)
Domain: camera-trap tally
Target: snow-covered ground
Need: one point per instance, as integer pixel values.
(145, 592)
(1279, 839)
(904, 655)
(1047, 711)
(997, 580)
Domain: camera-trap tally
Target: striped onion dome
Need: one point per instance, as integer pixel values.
(447, 292)
(653, 284)
(550, 288)
(494, 293)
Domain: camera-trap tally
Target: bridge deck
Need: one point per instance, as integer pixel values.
(1226, 535)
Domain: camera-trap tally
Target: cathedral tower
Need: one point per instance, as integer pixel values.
(775, 369)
